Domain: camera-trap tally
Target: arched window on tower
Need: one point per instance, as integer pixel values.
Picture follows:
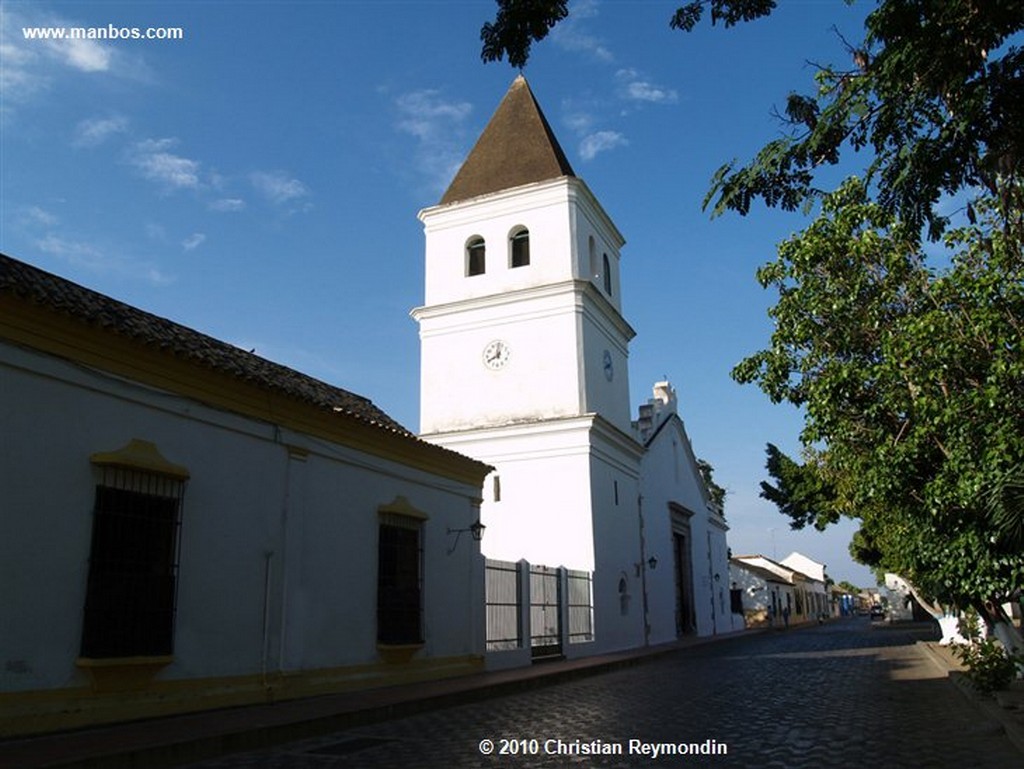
(606, 272)
(475, 256)
(519, 247)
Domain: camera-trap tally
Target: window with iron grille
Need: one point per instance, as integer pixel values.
(399, 581)
(133, 565)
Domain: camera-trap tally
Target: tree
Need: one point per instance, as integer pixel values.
(520, 23)
(715, 492)
(911, 377)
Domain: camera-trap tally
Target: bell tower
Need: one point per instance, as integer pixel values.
(522, 316)
(524, 351)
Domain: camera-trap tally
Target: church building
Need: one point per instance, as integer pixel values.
(524, 366)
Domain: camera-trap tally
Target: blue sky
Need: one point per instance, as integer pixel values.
(259, 181)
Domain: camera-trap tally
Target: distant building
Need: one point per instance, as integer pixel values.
(816, 597)
(773, 591)
(187, 525)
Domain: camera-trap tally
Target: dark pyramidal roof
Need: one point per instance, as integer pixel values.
(95, 309)
(517, 147)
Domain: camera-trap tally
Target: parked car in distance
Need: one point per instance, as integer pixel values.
(876, 611)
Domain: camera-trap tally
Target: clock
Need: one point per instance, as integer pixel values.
(496, 354)
(609, 367)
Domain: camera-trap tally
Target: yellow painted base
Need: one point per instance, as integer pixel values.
(38, 712)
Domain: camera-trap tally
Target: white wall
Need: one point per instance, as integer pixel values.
(245, 498)
(561, 216)
(670, 475)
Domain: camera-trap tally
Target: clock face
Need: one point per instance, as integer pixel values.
(496, 354)
(609, 367)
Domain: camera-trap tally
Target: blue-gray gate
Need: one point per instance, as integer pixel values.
(545, 612)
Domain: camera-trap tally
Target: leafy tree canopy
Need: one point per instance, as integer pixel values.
(912, 380)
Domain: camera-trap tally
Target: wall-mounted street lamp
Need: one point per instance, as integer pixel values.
(475, 529)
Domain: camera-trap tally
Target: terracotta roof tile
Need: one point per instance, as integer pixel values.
(59, 295)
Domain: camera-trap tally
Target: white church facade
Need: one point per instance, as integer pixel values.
(524, 366)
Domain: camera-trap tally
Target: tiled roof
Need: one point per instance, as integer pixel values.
(517, 147)
(90, 307)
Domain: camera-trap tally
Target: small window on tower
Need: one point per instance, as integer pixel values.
(520, 243)
(475, 256)
(607, 275)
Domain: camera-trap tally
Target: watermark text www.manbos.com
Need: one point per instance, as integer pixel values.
(632, 747)
(107, 32)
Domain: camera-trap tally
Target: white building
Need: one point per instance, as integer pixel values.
(689, 591)
(816, 598)
(524, 356)
(187, 525)
(778, 592)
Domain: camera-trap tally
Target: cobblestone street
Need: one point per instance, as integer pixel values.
(841, 695)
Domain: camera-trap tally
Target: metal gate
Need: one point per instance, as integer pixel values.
(545, 612)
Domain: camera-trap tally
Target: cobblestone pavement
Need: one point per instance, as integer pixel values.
(840, 695)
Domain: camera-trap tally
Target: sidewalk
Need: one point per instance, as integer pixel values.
(1006, 707)
(166, 742)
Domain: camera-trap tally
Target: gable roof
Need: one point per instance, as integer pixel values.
(517, 147)
(56, 294)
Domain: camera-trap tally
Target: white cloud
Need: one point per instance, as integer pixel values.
(426, 115)
(95, 131)
(579, 122)
(227, 205)
(570, 34)
(33, 66)
(437, 124)
(72, 251)
(633, 87)
(277, 186)
(86, 255)
(152, 159)
(601, 142)
(193, 241)
(34, 216)
(84, 55)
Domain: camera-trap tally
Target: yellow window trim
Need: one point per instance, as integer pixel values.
(142, 455)
(401, 506)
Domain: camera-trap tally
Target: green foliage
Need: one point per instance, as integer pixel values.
(989, 667)
(520, 23)
(715, 492)
(934, 93)
(911, 378)
(729, 12)
(801, 491)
